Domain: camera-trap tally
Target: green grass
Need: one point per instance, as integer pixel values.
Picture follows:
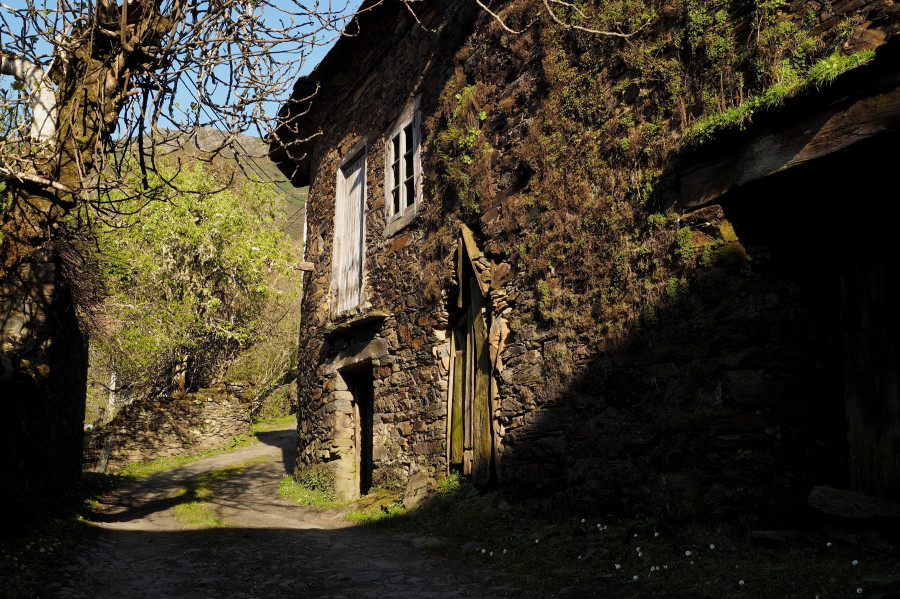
(823, 72)
(291, 490)
(197, 514)
(605, 555)
(377, 504)
(274, 424)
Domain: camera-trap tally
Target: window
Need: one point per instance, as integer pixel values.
(402, 170)
(403, 184)
(349, 233)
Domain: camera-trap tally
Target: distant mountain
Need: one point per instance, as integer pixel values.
(251, 156)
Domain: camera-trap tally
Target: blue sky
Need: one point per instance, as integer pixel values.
(187, 96)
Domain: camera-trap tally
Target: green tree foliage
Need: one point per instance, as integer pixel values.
(189, 278)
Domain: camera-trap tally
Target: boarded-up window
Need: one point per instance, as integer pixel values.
(349, 221)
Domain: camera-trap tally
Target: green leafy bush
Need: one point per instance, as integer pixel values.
(190, 270)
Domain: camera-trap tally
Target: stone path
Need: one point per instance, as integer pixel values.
(268, 547)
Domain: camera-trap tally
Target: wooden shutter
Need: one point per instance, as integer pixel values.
(349, 220)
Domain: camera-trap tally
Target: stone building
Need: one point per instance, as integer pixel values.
(490, 297)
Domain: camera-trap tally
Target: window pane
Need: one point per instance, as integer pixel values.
(408, 166)
(395, 148)
(410, 192)
(395, 194)
(408, 137)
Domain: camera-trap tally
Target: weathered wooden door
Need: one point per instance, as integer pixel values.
(349, 222)
(471, 434)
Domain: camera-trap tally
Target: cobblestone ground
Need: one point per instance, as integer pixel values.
(267, 548)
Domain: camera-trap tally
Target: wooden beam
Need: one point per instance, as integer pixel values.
(472, 251)
(825, 131)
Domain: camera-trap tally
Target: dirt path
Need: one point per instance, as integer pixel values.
(267, 548)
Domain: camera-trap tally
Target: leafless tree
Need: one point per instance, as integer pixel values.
(83, 75)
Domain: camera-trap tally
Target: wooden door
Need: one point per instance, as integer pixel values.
(469, 401)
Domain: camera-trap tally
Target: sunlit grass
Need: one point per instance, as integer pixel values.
(274, 424)
(293, 491)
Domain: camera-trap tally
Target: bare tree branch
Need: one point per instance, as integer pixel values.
(559, 21)
(497, 18)
(43, 125)
(43, 181)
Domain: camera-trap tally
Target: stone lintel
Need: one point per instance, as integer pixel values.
(360, 354)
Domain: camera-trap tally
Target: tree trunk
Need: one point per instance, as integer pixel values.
(43, 378)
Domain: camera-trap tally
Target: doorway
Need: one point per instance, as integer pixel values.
(360, 383)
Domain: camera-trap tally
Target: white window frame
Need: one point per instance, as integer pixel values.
(397, 219)
(359, 152)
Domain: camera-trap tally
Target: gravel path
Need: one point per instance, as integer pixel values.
(267, 548)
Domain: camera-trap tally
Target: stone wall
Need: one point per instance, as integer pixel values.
(168, 426)
(43, 375)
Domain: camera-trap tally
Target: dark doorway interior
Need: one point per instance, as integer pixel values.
(361, 384)
(824, 229)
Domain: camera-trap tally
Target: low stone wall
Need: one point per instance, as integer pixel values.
(169, 426)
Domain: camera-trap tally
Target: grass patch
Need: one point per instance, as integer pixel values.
(197, 514)
(193, 508)
(642, 559)
(274, 424)
(291, 490)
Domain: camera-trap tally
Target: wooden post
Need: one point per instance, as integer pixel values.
(481, 403)
(456, 407)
